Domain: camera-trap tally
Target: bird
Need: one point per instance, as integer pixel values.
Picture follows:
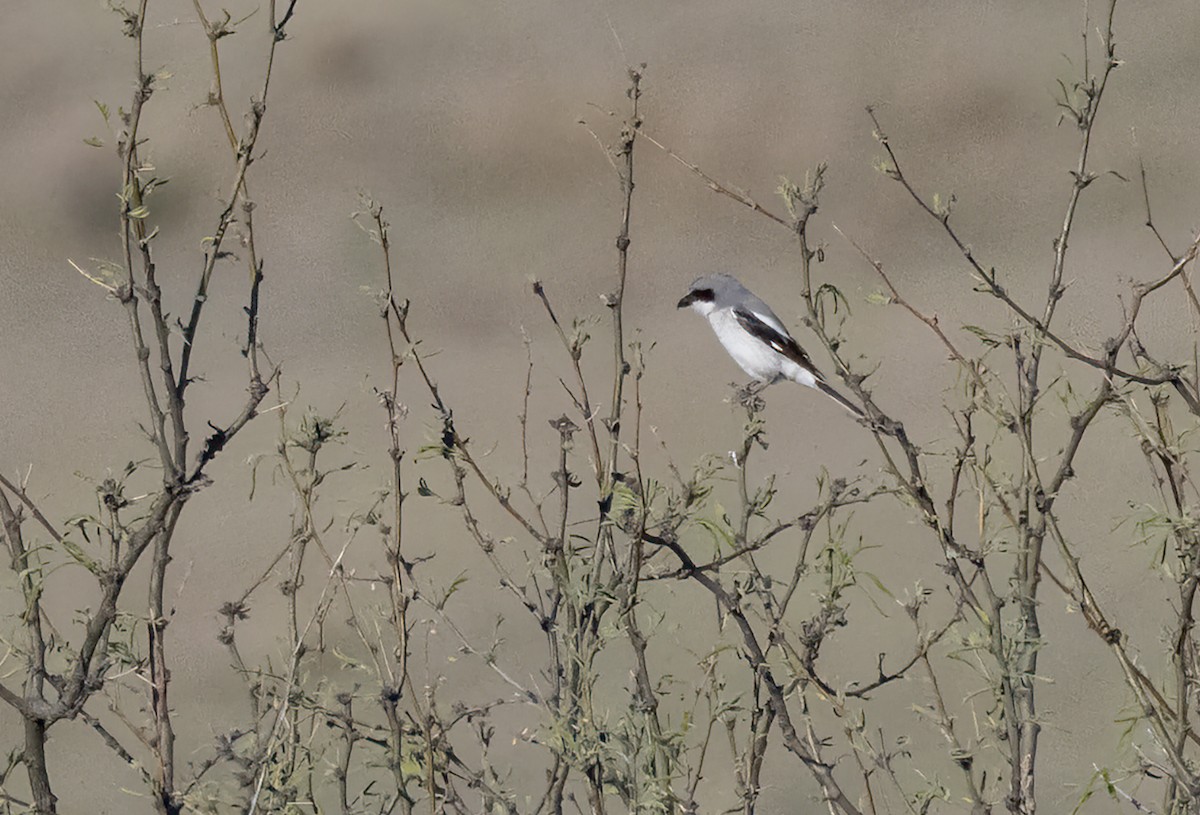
(756, 338)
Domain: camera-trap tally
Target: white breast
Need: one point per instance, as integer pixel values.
(756, 358)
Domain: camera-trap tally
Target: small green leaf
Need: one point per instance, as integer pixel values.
(347, 660)
(80, 557)
(878, 583)
(458, 583)
(720, 532)
(986, 337)
(93, 142)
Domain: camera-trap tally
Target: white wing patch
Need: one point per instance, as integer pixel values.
(767, 319)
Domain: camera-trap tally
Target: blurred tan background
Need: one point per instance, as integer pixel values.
(461, 117)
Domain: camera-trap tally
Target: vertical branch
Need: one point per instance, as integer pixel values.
(645, 698)
(396, 411)
(1084, 114)
(1033, 535)
(1164, 450)
(216, 96)
(1185, 278)
(399, 679)
(616, 302)
(215, 31)
(574, 348)
(34, 758)
(349, 736)
(34, 754)
(166, 799)
(243, 150)
(132, 215)
(963, 757)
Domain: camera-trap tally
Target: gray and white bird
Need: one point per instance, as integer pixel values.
(754, 336)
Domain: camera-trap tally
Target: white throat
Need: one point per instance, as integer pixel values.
(703, 307)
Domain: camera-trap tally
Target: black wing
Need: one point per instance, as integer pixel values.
(780, 341)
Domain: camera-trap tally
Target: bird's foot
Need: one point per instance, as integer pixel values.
(748, 395)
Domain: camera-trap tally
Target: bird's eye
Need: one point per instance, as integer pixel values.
(704, 295)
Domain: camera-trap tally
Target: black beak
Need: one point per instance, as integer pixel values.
(687, 300)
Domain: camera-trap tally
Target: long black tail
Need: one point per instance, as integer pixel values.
(829, 391)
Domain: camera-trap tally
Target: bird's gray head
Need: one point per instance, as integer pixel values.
(712, 291)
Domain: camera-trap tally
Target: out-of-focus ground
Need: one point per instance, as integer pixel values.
(462, 118)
